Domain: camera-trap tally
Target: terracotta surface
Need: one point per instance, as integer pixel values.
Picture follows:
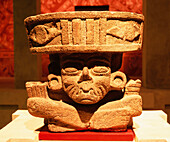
(84, 87)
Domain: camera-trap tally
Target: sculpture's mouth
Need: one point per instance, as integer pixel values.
(86, 93)
(87, 96)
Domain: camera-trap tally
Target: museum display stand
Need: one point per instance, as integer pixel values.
(151, 126)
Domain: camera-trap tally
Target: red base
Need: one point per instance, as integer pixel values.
(88, 136)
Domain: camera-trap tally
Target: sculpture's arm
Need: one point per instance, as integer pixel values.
(119, 112)
(57, 110)
(131, 100)
(40, 105)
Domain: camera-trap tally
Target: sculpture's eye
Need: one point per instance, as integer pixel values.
(70, 71)
(71, 68)
(100, 70)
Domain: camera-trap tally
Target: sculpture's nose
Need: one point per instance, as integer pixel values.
(85, 75)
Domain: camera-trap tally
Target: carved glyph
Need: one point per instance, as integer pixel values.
(117, 31)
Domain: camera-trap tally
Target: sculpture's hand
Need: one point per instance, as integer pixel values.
(117, 114)
(134, 103)
(110, 119)
(131, 98)
(133, 87)
(57, 111)
(131, 101)
(37, 89)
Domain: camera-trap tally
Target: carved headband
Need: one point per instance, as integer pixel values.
(85, 32)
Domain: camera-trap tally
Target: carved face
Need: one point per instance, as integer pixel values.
(86, 77)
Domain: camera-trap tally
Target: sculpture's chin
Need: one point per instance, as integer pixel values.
(86, 101)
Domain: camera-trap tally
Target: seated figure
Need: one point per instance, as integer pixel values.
(85, 89)
(83, 96)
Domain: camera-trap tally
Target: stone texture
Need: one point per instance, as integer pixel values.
(76, 31)
(90, 31)
(85, 14)
(125, 30)
(86, 48)
(65, 35)
(86, 28)
(83, 32)
(83, 87)
(102, 30)
(113, 118)
(37, 89)
(96, 32)
(70, 32)
(88, 93)
(41, 35)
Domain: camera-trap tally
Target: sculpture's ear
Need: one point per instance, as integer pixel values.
(118, 80)
(55, 82)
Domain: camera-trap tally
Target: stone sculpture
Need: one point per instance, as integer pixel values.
(85, 90)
